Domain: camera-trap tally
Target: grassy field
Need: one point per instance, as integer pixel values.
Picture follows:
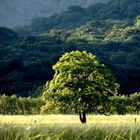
(68, 127)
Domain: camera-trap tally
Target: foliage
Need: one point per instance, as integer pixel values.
(135, 102)
(80, 83)
(26, 62)
(76, 16)
(126, 104)
(13, 105)
(18, 105)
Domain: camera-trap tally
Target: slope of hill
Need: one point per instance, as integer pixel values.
(7, 35)
(20, 12)
(26, 65)
(76, 16)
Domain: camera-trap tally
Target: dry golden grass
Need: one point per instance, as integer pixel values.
(68, 127)
(69, 119)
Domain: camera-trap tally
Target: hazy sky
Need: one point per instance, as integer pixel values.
(20, 12)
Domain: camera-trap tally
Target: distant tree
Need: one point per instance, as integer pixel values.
(135, 102)
(80, 83)
(120, 105)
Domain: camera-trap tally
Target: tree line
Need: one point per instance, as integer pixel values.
(13, 105)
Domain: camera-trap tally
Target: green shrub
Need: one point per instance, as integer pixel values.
(13, 105)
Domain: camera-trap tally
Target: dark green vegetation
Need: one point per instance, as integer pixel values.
(121, 105)
(11, 105)
(80, 84)
(26, 62)
(76, 16)
(112, 35)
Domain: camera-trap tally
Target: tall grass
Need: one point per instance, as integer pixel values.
(54, 129)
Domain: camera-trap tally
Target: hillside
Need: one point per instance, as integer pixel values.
(26, 64)
(20, 12)
(76, 16)
(110, 30)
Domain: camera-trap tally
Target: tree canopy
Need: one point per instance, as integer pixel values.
(80, 83)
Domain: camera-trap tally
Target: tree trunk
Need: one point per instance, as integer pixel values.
(82, 116)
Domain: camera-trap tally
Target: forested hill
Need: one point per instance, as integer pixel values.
(20, 12)
(26, 62)
(111, 31)
(76, 16)
(7, 36)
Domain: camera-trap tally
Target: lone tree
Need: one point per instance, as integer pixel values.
(80, 84)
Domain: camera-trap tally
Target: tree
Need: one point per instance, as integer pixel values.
(80, 83)
(135, 102)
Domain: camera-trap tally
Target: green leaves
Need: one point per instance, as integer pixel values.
(81, 82)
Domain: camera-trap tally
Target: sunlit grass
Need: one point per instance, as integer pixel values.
(68, 127)
(69, 119)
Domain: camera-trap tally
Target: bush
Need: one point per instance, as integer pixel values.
(126, 104)
(11, 105)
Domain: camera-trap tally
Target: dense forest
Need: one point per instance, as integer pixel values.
(76, 16)
(27, 53)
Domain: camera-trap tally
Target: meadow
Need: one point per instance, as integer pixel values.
(68, 127)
